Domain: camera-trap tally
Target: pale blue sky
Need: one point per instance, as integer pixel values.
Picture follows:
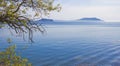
(108, 10)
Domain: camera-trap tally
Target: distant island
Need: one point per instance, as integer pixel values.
(46, 20)
(82, 21)
(90, 19)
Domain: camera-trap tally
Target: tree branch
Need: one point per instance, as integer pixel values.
(19, 6)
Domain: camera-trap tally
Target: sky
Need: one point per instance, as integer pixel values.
(108, 10)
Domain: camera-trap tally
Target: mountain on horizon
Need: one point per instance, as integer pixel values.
(90, 19)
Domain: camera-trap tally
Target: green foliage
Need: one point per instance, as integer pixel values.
(9, 58)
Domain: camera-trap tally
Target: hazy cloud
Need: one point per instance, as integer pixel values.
(108, 10)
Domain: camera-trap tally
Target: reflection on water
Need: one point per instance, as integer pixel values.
(71, 45)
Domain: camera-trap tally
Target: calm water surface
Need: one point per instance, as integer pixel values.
(70, 45)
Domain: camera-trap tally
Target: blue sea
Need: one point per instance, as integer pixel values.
(69, 45)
